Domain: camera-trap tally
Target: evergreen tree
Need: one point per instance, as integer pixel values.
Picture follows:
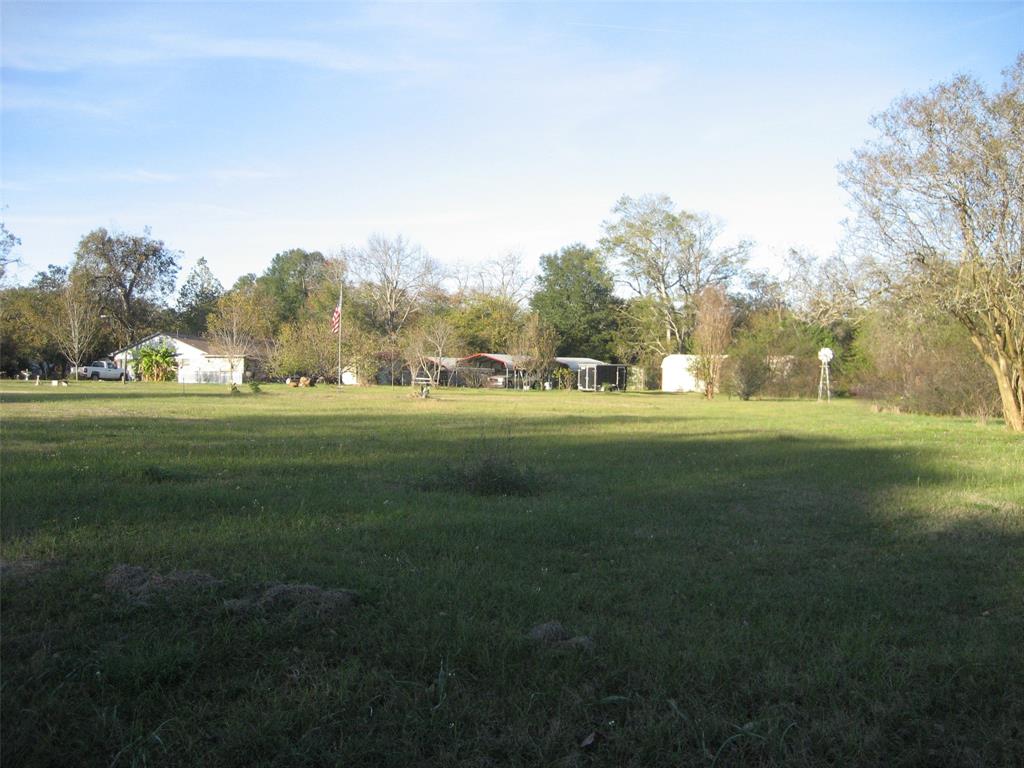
(197, 298)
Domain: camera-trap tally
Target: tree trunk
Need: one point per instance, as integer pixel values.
(1013, 408)
(1011, 386)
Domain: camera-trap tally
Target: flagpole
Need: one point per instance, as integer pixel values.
(341, 288)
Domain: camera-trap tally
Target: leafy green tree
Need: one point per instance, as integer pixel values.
(291, 278)
(487, 323)
(746, 371)
(575, 297)
(248, 280)
(52, 279)
(197, 298)
(131, 273)
(306, 347)
(639, 337)
(24, 340)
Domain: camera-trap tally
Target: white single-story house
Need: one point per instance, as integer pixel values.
(676, 375)
(197, 362)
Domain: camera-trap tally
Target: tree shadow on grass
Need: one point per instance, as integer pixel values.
(756, 599)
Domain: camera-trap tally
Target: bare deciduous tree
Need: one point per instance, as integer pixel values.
(8, 243)
(427, 344)
(823, 291)
(395, 275)
(940, 198)
(239, 328)
(504, 277)
(535, 350)
(711, 337)
(75, 325)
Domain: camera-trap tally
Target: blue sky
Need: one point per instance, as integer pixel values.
(236, 130)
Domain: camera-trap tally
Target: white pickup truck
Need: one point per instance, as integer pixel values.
(99, 369)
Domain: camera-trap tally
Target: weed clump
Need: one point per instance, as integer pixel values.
(496, 475)
(486, 473)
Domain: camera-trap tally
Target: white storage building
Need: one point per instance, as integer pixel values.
(676, 376)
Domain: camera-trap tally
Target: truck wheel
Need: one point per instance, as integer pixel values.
(121, 377)
(94, 376)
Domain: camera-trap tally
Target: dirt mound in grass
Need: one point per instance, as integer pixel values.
(306, 600)
(137, 585)
(553, 634)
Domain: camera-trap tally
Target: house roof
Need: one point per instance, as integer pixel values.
(509, 361)
(203, 345)
(574, 363)
(448, 363)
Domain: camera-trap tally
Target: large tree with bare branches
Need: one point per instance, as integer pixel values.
(394, 276)
(940, 201)
(669, 257)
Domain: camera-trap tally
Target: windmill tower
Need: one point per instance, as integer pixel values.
(824, 384)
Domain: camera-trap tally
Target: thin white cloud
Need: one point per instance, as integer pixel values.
(143, 176)
(628, 28)
(18, 101)
(155, 48)
(224, 175)
(149, 176)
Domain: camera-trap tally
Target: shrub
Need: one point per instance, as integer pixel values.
(747, 371)
(788, 349)
(489, 469)
(565, 378)
(923, 363)
(153, 363)
(495, 475)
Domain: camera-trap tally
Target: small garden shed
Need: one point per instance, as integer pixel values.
(676, 376)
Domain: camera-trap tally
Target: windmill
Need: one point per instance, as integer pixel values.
(824, 385)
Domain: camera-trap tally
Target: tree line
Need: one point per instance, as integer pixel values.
(924, 307)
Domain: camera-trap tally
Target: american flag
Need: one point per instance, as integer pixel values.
(336, 319)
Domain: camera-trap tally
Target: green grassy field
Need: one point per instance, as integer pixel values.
(765, 583)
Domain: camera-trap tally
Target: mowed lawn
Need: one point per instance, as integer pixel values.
(764, 583)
